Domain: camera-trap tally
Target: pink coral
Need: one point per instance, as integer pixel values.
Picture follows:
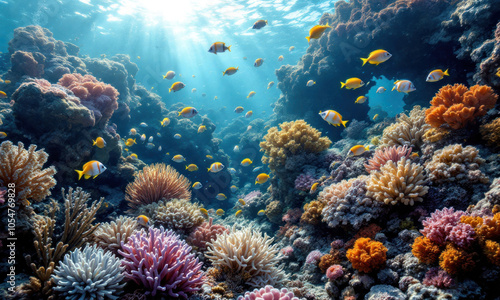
(269, 293)
(303, 182)
(205, 233)
(462, 235)
(287, 251)
(161, 263)
(334, 272)
(97, 96)
(252, 196)
(313, 257)
(382, 156)
(438, 278)
(3, 191)
(292, 215)
(439, 225)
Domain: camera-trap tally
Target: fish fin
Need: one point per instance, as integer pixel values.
(80, 173)
(342, 84)
(393, 88)
(364, 61)
(179, 113)
(208, 169)
(344, 122)
(94, 142)
(223, 73)
(266, 22)
(229, 48)
(367, 148)
(87, 176)
(314, 82)
(446, 73)
(95, 176)
(169, 90)
(164, 76)
(308, 38)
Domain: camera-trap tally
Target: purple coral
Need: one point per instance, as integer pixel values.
(313, 257)
(3, 191)
(303, 182)
(269, 293)
(439, 225)
(252, 195)
(438, 278)
(334, 272)
(161, 263)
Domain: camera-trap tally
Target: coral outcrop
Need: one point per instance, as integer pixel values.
(384, 154)
(407, 131)
(367, 255)
(178, 214)
(204, 234)
(110, 235)
(491, 133)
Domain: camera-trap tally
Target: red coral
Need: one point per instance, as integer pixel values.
(367, 255)
(456, 105)
(204, 234)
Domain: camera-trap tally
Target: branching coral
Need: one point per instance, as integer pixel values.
(110, 235)
(179, 214)
(24, 169)
(425, 250)
(247, 253)
(206, 232)
(157, 182)
(456, 105)
(491, 133)
(383, 155)
(91, 273)
(456, 164)
(161, 263)
(402, 182)
(439, 225)
(295, 137)
(269, 293)
(407, 131)
(97, 96)
(367, 255)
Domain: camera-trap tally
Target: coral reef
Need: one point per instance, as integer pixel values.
(268, 293)
(161, 263)
(27, 63)
(246, 252)
(24, 169)
(91, 273)
(491, 133)
(206, 232)
(178, 214)
(456, 105)
(407, 131)
(367, 255)
(154, 183)
(385, 154)
(403, 182)
(312, 212)
(303, 182)
(109, 236)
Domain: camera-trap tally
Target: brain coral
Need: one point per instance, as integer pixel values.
(456, 105)
(403, 182)
(367, 255)
(24, 169)
(247, 253)
(110, 235)
(157, 182)
(491, 133)
(407, 131)
(296, 137)
(179, 214)
(456, 164)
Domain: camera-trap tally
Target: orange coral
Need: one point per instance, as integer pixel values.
(456, 105)
(490, 229)
(326, 261)
(456, 260)
(492, 251)
(472, 221)
(425, 250)
(312, 212)
(367, 255)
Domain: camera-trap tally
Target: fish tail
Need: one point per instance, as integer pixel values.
(229, 48)
(179, 113)
(94, 142)
(164, 76)
(223, 73)
(80, 174)
(364, 60)
(208, 169)
(256, 181)
(308, 38)
(186, 167)
(344, 122)
(446, 73)
(169, 90)
(161, 122)
(342, 84)
(367, 148)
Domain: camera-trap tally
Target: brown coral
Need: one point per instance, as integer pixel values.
(274, 211)
(179, 214)
(23, 168)
(326, 261)
(157, 182)
(456, 105)
(491, 133)
(367, 255)
(402, 182)
(435, 134)
(110, 235)
(425, 250)
(296, 137)
(456, 260)
(312, 212)
(408, 129)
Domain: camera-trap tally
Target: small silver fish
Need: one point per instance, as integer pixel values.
(257, 169)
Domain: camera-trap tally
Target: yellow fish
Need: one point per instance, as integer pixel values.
(246, 162)
(314, 187)
(361, 99)
(3, 135)
(143, 220)
(261, 212)
(358, 150)
(3, 94)
(178, 158)
(280, 58)
(317, 31)
(192, 168)
(197, 185)
(138, 57)
(215, 98)
(219, 47)
(133, 131)
(220, 212)
(239, 109)
(270, 84)
(237, 213)
(204, 211)
(216, 167)
(498, 72)
(92, 168)
(221, 197)
(414, 155)
(310, 83)
(177, 136)
(376, 57)
(202, 128)
(291, 48)
(209, 156)
(133, 155)
(258, 62)
(251, 94)
(375, 117)
(188, 112)
(7, 81)
(437, 75)
(130, 142)
(242, 202)
(352, 83)
(259, 24)
(176, 86)
(169, 75)
(100, 142)
(230, 71)
(261, 178)
(249, 114)
(165, 122)
(233, 188)
(332, 117)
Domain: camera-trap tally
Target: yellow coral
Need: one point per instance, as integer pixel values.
(23, 168)
(425, 250)
(491, 133)
(407, 131)
(472, 221)
(402, 182)
(312, 212)
(367, 255)
(435, 134)
(295, 137)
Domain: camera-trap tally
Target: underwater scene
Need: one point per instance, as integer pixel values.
(250, 149)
